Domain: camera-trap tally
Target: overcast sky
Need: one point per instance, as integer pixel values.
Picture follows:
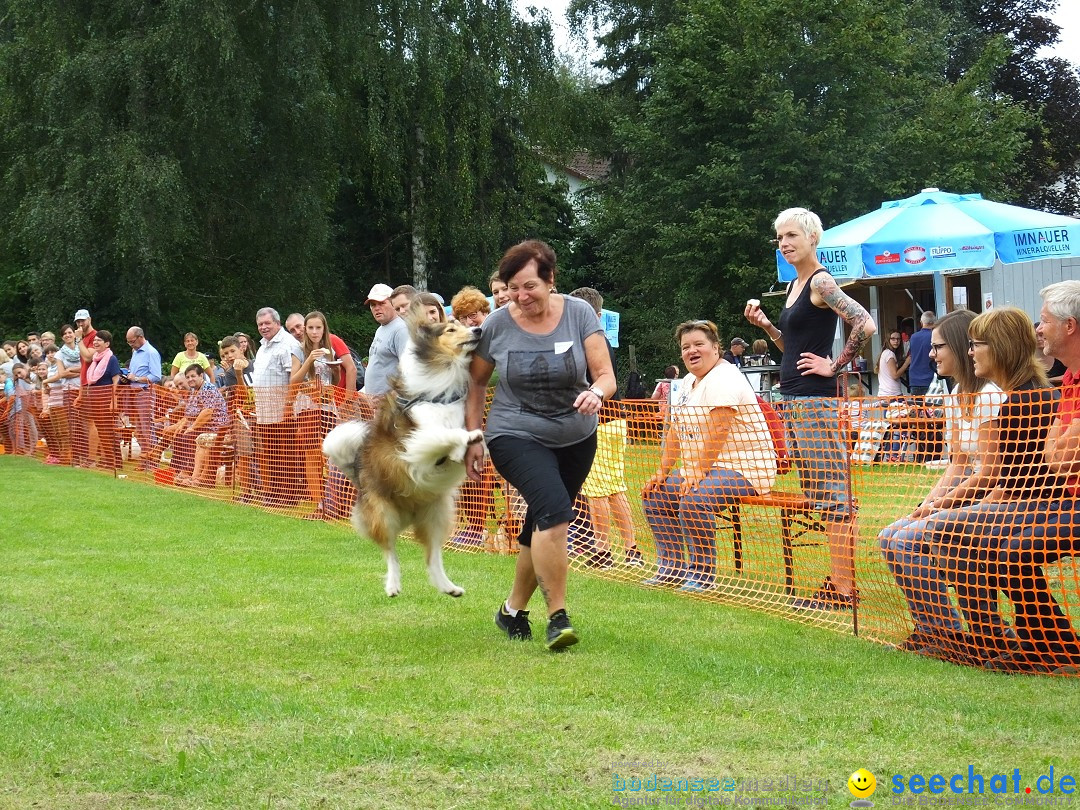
(1067, 16)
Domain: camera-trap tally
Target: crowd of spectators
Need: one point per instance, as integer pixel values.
(257, 411)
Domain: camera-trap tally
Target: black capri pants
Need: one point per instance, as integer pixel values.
(548, 478)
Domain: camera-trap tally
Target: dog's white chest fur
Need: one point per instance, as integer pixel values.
(406, 470)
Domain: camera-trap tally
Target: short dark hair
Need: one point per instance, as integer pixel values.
(193, 367)
(524, 252)
(105, 335)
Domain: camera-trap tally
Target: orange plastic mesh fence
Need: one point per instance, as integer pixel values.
(886, 523)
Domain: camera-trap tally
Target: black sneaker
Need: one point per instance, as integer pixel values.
(917, 642)
(559, 632)
(516, 627)
(634, 558)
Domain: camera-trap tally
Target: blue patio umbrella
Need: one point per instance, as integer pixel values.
(937, 231)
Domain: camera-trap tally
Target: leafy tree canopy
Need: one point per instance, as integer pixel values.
(179, 164)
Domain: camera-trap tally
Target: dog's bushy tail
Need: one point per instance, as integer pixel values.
(342, 446)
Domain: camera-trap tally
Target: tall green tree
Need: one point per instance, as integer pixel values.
(1048, 168)
(178, 164)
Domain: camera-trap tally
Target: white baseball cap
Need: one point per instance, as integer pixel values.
(380, 292)
(82, 315)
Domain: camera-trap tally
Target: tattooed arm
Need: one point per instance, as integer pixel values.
(824, 290)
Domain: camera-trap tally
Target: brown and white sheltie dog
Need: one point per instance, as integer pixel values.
(408, 462)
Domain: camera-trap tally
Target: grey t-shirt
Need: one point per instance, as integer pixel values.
(540, 376)
(386, 349)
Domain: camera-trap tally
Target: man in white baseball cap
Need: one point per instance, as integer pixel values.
(388, 344)
(83, 431)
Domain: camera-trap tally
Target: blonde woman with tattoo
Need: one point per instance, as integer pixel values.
(808, 384)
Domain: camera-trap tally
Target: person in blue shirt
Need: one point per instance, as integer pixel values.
(921, 370)
(144, 373)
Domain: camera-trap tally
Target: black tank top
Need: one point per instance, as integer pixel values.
(806, 328)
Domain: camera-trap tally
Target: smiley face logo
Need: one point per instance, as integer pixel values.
(862, 784)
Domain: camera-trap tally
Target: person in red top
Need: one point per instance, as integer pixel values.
(323, 382)
(296, 324)
(85, 438)
(1046, 639)
(84, 334)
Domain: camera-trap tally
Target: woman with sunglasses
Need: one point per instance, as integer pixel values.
(969, 415)
(808, 385)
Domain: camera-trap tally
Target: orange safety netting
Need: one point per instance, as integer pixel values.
(875, 518)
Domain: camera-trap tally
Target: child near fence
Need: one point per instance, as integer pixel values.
(21, 427)
(236, 381)
(605, 490)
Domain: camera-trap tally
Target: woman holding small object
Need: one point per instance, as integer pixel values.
(103, 379)
(808, 381)
(315, 406)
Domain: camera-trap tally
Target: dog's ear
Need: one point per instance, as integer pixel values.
(417, 320)
(426, 328)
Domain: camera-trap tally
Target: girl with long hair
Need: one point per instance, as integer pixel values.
(891, 366)
(969, 415)
(1014, 481)
(315, 379)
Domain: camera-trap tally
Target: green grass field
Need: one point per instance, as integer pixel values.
(158, 650)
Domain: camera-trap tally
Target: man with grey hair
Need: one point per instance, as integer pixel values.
(144, 372)
(275, 428)
(1046, 640)
(921, 370)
